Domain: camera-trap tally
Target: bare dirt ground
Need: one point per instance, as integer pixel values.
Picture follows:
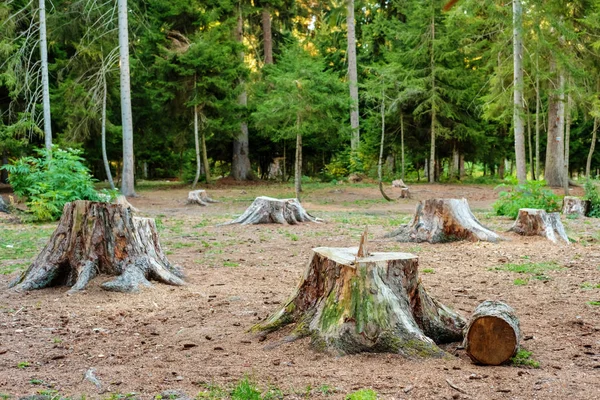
(189, 338)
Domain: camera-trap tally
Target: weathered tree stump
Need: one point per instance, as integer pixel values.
(534, 222)
(376, 303)
(443, 220)
(95, 238)
(267, 210)
(199, 197)
(3, 206)
(398, 183)
(575, 205)
(404, 193)
(492, 333)
(122, 200)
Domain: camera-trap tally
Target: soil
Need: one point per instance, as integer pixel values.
(187, 338)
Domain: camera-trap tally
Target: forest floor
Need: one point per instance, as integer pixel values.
(195, 338)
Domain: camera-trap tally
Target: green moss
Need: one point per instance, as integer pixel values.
(332, 312)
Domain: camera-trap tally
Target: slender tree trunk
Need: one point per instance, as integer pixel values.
(537, 121)
(205, 157)
(402, 142)
(4, 173)
(555, 149)
(380, 164)
(103, 132)
(197, 143)
(433, 110)
(518, 123)
(284, 162)
(588, 164)
(455, 170)
(352, 76)
(267, 35)
(567, 140)
(127, 178)
(240, 163)
(298, 169)
(531, 165)
(45, 83)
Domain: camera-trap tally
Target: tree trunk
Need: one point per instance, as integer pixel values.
(267, 35)
(380, 164)
(537, 123)
(45, 80)
(127, 177)
(492, 333)
(103, 133)
(518, 123)
(455, 170)
(350, 304)
(588, 164)
(534, 222)
(575, 206)
(443, 220)
(352, 76)
(433, 109)
(197, 143)
(122, 200)
(267, 210)
(567, 141)
(199, 197)
(402, 143)
(205, 157)
(531, 165)
(240, 164)
(99, 238)
(298, 167)
(555, 149)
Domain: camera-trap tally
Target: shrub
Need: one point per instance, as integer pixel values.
(50, 183)
(592, 195)
(530, 195)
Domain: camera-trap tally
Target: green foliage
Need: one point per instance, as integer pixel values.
(592, 195)
(523, 359)
(362, 394)
(246, 390)
(530, 195)
(52, 180)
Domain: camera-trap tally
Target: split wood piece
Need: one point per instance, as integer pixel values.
(532, 222)
(377, 303)
(492, 334)
(199, 197)
(575, 205)
(94, 238)
(443, 220)
(122, 200)
(267, 210)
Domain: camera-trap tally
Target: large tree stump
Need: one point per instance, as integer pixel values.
(95, 238)
(575, 205)
(199, 197)
(492, 334)
(443, 220)
(376, 303)
(267, 210)
(534, 222)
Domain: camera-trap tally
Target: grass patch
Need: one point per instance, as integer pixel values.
(535, 270)
(594, 303)
(523, 359)
(230, 264)
(428, 271)
(362, 394)
(588, 286)
(521, 282)
(23, 364)
(19, 247)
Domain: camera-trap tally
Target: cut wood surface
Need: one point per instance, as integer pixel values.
(376, 303)
(492, 333)
(443, 220)
(535, 222)
(199, 197)
(94, 238)
(268, 210)
(575, 205)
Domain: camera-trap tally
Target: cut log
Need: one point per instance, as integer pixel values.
(199, 197)
(376, 303)
(95, 238)
(534, 222)
(492, 334)
(122, 200)
(267, 210)
(443, 220)
(574, 205)
(3, 206)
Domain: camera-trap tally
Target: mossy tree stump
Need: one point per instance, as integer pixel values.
(267, 210)
(536, 222)
(94, 238)
(199, 197)
(373, 303)
(492, 334)
(443, 220)
(574, 205)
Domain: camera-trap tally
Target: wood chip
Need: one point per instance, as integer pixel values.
(453, 386)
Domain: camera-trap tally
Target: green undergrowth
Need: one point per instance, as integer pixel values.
(362, 394)
(523, 359)
(533, 194)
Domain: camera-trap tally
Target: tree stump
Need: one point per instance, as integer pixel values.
(575, 205)
(398, 183)
(3, 206)
(443, 220)
(199, 197)
(404, 193)
(376, 303)
(122, 200)
(492, 334)
(94, 238)
(267, 210)
(534, 222)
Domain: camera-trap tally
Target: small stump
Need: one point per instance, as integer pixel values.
(95, 238)
(267, 210)
(349, 303)
(3, 206)
(492, 334)
(443, 220)
(574, 205)
(534, 222)
(199, 197)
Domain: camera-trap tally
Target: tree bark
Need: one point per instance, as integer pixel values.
(197, 144)
(433, 109)
(588, 164)
(127, 177)
(205, 157)
(267, 35)
(555, 149)
(376, 303)
(99, 238)
(575, 206)
(45, 80)
(103, 133)
(199, 197)
(267, 210)
(537, 122)
(443, 220)
(298, 167)
(518, 123)
(531, 165)
(492, 333)
(535, 222)
(380, 164)
(402, 143)
(352, 76)
(567, 142)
